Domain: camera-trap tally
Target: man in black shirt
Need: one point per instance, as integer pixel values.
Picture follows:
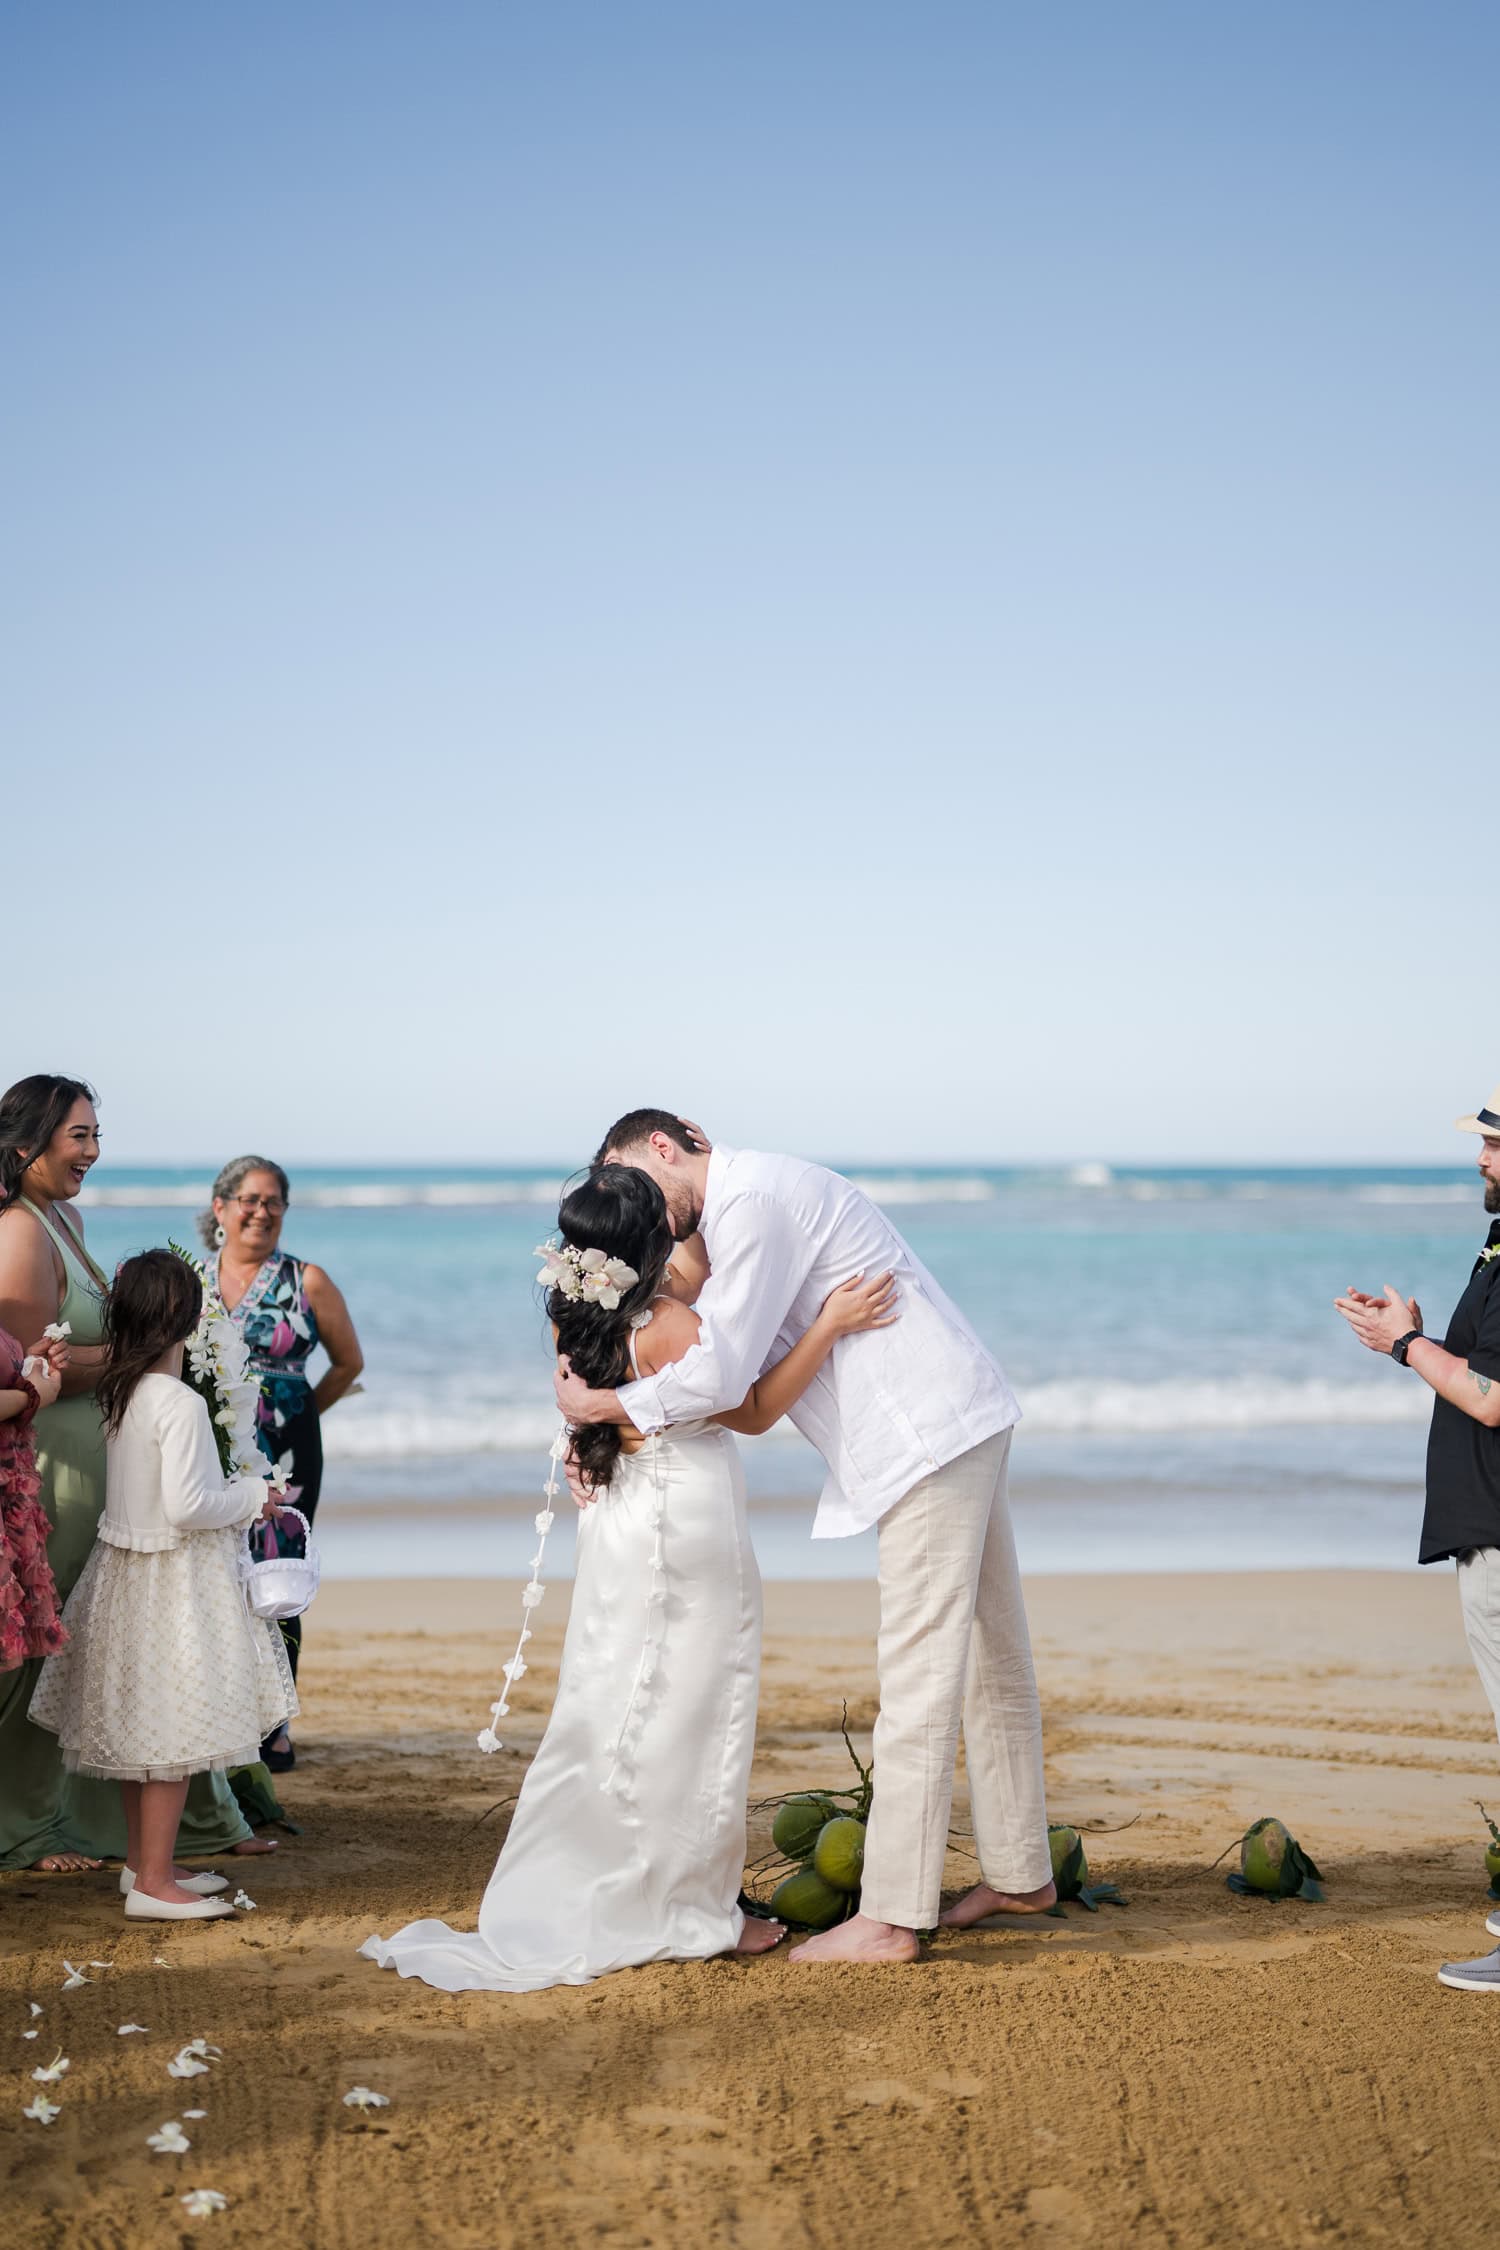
(1463, 1449)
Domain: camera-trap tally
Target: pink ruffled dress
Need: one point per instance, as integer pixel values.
(29, 1622)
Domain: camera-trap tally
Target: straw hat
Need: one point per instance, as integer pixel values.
(1485, 1120)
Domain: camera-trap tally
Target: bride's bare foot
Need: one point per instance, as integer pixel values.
(758, 1936)
(66, 1863)
(977, 1905)
(859, 1940)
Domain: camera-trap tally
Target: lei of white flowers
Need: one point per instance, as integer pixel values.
(531, 1594)
(218, 1362)
(585, 1274)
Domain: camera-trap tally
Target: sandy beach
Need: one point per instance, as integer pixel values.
(1197, 2068)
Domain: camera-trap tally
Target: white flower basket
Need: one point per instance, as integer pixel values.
(284, 1585)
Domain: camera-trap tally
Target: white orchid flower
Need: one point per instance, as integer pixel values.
(125, 2029)
(488, 1741)
(49, 2074)
(75, 1977)
(544, 1521)
(170, 2141)
(244, 1902)
(186, 2066)
(361, 2098)
(42, 2110)
(531, 1595)
(201, 2203)
(594, 1261)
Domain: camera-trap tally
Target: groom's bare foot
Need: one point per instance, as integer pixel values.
(758, 1936)
(977, 1905)
(859, 1940)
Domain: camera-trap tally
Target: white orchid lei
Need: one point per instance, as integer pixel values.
(585, 1274)
(217, 1364)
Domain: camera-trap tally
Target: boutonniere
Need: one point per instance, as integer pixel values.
(1491, 1250)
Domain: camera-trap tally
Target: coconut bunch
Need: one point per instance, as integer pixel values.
(1070, 1872)
(1274, 1865)
(1491, 1852)
(822, 1832)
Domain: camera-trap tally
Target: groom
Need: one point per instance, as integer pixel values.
(914, 1424)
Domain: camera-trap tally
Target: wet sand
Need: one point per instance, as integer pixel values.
(1197, 2068)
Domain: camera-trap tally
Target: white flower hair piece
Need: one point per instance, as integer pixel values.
(586, 1276)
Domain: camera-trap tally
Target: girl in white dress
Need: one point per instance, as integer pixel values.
(167, 1673)
(628, 1841)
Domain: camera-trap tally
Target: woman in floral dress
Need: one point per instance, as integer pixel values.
(284, 1308)
(30, 1625)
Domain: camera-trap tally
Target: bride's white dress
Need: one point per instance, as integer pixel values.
(628, 1841)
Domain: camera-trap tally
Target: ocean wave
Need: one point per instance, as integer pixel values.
(364, 1431)
(350, 1195)
(1462, 1191)
(917, 1187)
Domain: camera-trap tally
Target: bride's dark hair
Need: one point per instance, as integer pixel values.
(623, 1213)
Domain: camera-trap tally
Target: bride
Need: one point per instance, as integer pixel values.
(628, 1840)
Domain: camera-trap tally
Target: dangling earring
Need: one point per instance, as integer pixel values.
(220, 1237)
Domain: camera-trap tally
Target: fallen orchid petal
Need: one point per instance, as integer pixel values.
(50, 2073)
(126, 2029)
(361, 2097)
(195, 2113)
(31, 2035)
(101, 1964)
(42, 2110)
(186, 2066)
(201, 2203)
(75, 1977)
(170, 2141)
(244, 1901)
(36, 2007)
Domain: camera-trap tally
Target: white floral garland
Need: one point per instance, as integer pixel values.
(531, 1595)
(219, 1360)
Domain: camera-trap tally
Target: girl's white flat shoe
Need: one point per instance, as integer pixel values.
(205, 1884)
(140, 1906)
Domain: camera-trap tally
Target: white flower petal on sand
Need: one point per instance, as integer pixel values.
(186, 2066)
(31, 2035)
(158, 1963)
(36, 2007)
(201, 2203)
(195, 2113)
(243, 1900)
(362, 2098)
(75, 1977)
(42, 2110)
(125, 2029)
(170, 2141)
(101, 1964)
(48, 2074)
(201, 2047)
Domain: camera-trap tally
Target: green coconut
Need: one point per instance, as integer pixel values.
(1273, 1863)
(796, 1827)
(805, 1900)
(1070, 1867)
(839, 1856)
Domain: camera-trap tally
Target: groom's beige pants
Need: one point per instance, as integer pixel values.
(953, 1642)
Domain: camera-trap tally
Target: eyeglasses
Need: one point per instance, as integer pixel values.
(272, 1205)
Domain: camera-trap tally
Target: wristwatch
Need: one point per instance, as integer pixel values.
(1403, 1345)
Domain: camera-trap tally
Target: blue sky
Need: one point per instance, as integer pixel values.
(917, 581)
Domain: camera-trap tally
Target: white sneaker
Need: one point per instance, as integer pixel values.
(1492, 1924)
(140, 1906)
(205, 1884)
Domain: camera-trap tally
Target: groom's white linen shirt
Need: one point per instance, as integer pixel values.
(888, 1406)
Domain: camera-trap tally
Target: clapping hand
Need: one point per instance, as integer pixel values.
(1379, 1322)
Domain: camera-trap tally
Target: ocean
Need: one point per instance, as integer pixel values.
(1191, 1399)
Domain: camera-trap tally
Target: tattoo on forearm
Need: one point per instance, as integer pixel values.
(1483, 1381)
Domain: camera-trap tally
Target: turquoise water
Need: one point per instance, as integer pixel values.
(1190, 1396)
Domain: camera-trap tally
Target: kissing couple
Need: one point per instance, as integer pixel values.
(701, 1291)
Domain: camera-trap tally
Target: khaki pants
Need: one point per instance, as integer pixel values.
(953, 1642)
(1479, 1598)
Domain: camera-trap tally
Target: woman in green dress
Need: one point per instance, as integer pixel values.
(49, 1139)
